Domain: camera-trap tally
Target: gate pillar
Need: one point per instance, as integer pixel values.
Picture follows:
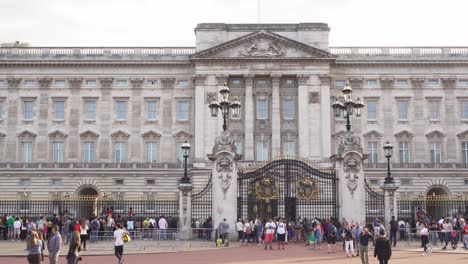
(224, 176)
(185, 210)
(390, 204)
(351, 186)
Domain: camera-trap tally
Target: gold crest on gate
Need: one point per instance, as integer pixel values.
(266, 189)
(307, 190)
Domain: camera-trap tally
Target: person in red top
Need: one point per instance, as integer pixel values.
(77, 226)
(465, 234)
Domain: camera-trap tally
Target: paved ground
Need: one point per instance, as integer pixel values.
(256, 255)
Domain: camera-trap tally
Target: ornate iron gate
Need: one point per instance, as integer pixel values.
(374, 204)
(202, 202)
(288, 188)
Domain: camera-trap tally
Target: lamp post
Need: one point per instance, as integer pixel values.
(186, 152)
(388, 150)
(348, 106)
(224, 105)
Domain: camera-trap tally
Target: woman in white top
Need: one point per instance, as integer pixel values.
(83, 233)
(240, 229)
(424, 236)
(281, 231)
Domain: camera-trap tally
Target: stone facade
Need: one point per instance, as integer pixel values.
(74, 117)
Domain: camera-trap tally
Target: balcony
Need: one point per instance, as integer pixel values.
(91, 166)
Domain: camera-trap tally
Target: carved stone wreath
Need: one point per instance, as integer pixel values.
(351, 168)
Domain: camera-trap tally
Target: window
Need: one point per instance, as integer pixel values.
(289, 81)
(121, 83)
(183, 83)
(434, 110)
(89, 151)
(372, 83)
(405, 182)
(119, 182)
(121, 110)
(26, 151)
(404, 152)
(238, 145)
(59, 110)
(182, 110)
(180, 153)
(403, 110)
(90, 110)
(120, 152)
(262, 151)
(433, 82)
(340, 83)
(151, 152)
(29, 83)
(463, 82)
(60, 83)
(57, 148)
(56, 182)
(262, 109)
(436, 152)
(371, 110)
(150, 182)
(28, 110)
(25, 182)
(2, 83)
(153, 82)
(464, 110)
(91, 83)
(289, 148)
(288, 109)
(374, 182)
(152, 110)
(373, 151)
(401, 82)
(1, 109)
(465, 152)
(236, 82)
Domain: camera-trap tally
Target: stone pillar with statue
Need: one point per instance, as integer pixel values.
(185, 210)
(224, 180)
(351, 186)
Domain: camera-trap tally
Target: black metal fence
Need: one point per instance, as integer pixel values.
(412, 207)
(374, 204)
(202, 203)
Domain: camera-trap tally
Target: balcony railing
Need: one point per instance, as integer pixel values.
(94, 51)
(399, 51)
(103, 165)
(417, 166)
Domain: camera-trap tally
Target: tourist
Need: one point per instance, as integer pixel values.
(35, 246)
(348, 238)
(357, 231)
(457, 229)
(152, 225)
(281, 231)
(331, 237)
(260, 231)
(298, 230)
(54, 244)
(247, 232)
(383, 249)
(110, 225)
(269, 233)
(131, 225)
(447, 231)
(223, 230)
(83, 233)
(118, 244)
(401, 227)
(17, 229)
(433, 228)
(364, 245)
(95, 225)
(162, 228)
(10, 225)
(240, 229)
(67, 230)
(424, 237)
(41, 237)
(393, 231)
(318, 234)
(73, 255)
(465, 235)
(312, 239)
(146, 228)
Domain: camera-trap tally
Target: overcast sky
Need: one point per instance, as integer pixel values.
(171, 22)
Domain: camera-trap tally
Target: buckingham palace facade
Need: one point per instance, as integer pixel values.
(96, 120)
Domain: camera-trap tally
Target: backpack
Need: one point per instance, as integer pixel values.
(94, 225)
(248, 230)
(151, 225)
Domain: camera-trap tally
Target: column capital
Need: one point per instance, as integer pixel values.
(325, 79)
(356, 82)
(449, 83)
(303, 79)
(106, 82)
(137, 82)
(167, 82)
(249, 78)
(199, 79)
(386, 83)
(222, 79)
(44, 83)
(275, 79)
(75, 83)
(13, 82)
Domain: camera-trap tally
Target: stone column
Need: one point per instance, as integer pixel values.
(43, 105)
(390, 204)
(275, 116)
(185, 210)
(249, 118)
(137, 104)
(105, 118)
(75, 114)
(325, 108)
(224, 180)
(13, 120)
(303, 119)
(350, 173)
(200, 116)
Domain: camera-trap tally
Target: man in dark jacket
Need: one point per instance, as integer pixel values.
(393, 230)
(383, 249)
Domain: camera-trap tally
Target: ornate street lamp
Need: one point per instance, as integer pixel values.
(388, 150)
(349, 107)
(185, 152)
(224, 105)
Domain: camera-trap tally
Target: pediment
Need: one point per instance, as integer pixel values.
(182, 135)
(89, 134)
(120, 134)
(289, 135)
(404, 135)
(463, 135)
(263, 44)
(26, 134)
(372, 135)
(57, 134)
(151, 134)
(435, 135)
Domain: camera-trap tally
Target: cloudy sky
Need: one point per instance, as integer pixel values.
(171, 22)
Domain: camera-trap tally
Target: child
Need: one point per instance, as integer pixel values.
(312, 240)
(219, 241)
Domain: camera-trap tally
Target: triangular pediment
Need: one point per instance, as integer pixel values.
(463, 135)
(435, 135)
(57, 134)
(27, 134)
(151, 134)
(404, 135)
(372, 135)
(182, 135)
(263, 44)
(89, 134)
(120, 134)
